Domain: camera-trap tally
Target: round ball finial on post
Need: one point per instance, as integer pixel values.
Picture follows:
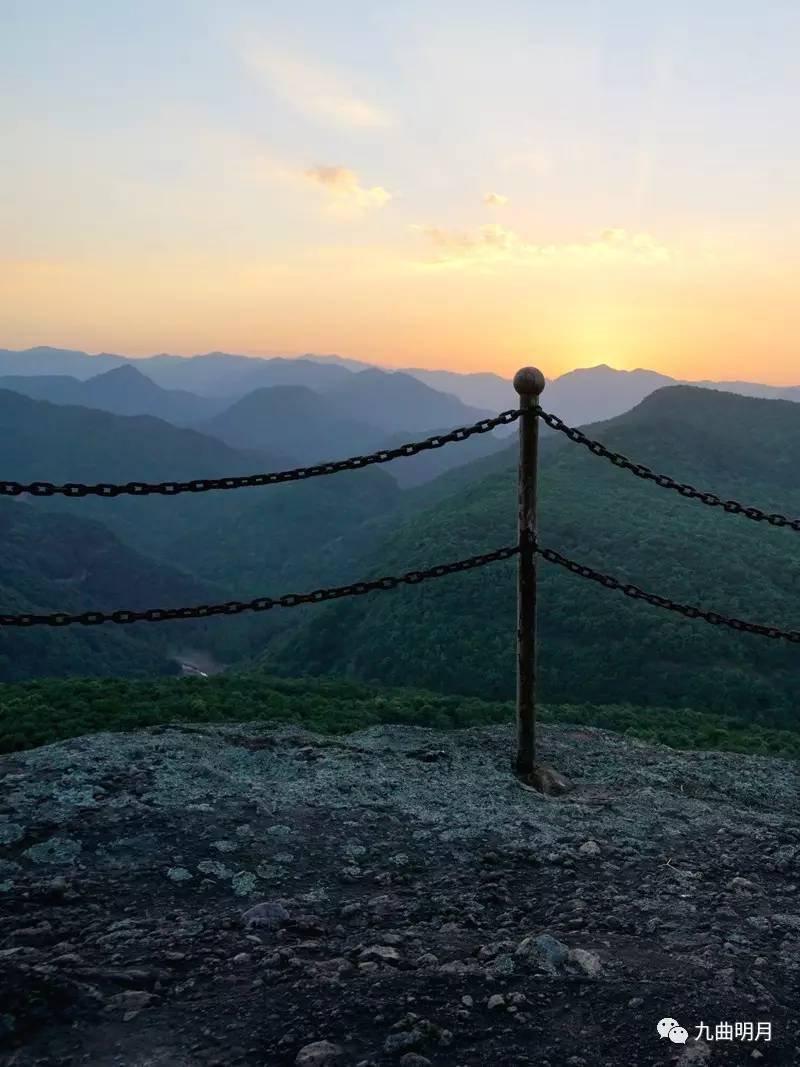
(529, 381)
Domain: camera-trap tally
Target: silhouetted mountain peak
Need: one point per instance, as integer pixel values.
(680, 401)
(126, 374)
(606, 372)
(282, 398)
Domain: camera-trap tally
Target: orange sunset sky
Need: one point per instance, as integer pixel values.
(458, 185)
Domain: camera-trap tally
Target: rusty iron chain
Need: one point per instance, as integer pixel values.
(732, 507)
(247, 481)
(236, 607)
(319, 596)
(264, 603)
(689, 611)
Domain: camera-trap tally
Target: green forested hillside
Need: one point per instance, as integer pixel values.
(457, 634)
(65, 563)
(454, 635)
(36, 713)
(246, 540)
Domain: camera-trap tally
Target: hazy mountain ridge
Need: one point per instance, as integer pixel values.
(307, 423)
(587, 394)
(122, 390)
(293, 423)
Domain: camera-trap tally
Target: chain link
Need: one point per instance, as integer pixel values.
(641, 471)
(264, 603)
(687, 610)
(319, 596)
(203, 485)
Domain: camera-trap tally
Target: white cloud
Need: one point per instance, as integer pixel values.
(312, 89)
(344, 186)
(495, 199)
(495, 244)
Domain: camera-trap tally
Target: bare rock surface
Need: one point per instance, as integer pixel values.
(238, 895)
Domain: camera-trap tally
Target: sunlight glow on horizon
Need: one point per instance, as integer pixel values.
(407, 186)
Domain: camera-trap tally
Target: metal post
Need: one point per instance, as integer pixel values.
(529, 383)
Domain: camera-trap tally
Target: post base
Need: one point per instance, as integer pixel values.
(545, 780)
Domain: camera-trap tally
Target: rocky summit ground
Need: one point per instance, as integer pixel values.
(238, 895)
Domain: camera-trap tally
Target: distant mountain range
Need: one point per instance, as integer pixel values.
(346, 412)
(587, 394)
(123, 390)
(363, 390)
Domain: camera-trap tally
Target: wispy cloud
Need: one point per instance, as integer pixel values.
(495, 199)
(344, 186)
(496, 244)
(313, 89)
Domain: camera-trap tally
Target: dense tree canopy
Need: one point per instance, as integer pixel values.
(35, 713)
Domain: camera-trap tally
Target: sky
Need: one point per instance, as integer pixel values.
(460, 185)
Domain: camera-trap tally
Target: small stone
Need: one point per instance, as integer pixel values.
(380, 953)
(219, 870)
(589, 962)
(636, 1002)
(241, 958)
(405, 1039)
(243, 883)
(54, 850)
(467, 1001)
(318, 1054)
(268, 913)
(132, 1000)
(742, 886)
(546, 780)
(179, 874)
(10, 832)
(412, 1059)
(460, 967)
(694, 1054)
(427, 959)
(503, 965)
(589, 848)
(495, 1002)
(545, 950)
